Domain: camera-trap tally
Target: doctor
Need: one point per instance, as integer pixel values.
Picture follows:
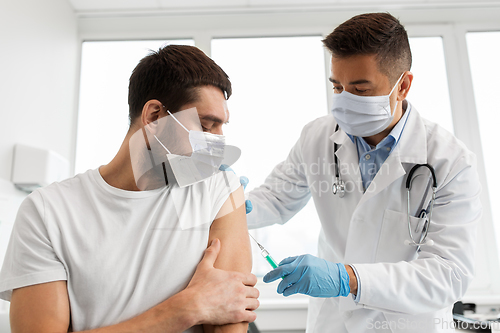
(374, 137)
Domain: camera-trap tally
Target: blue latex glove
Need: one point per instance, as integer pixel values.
(310, 275)
(244, 182)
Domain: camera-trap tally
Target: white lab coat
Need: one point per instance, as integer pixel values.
(401, 290)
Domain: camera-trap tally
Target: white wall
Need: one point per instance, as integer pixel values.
(39, 61)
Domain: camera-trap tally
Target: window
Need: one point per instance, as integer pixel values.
(429, 92)
(279, 85)
(103, 110)
(277, 92)
(484, 48)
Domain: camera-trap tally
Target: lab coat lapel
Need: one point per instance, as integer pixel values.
(412, 148)
(388, 173)
(347, 155)
(413, 142)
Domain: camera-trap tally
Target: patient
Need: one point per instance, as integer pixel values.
(141, 244)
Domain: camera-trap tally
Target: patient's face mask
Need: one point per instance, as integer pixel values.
(206, 156)
(173, 149)
(363, 115)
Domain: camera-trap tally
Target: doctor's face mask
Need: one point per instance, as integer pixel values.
(363, 115)
(178, 149)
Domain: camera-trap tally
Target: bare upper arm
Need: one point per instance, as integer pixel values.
(40, 308)
(230, 227)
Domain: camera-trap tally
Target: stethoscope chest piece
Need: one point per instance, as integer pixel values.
(339, 188)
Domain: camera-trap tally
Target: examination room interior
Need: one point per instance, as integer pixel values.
(65, 64)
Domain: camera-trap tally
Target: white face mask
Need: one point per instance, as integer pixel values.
(205, 159)
(363, 115)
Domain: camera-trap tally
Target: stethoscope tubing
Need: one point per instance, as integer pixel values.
(425, 227)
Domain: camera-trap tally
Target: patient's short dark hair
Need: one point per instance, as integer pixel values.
(173, 75)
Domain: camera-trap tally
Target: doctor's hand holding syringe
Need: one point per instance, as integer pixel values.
(308, 275)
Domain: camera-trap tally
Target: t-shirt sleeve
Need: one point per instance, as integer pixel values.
(30, 258)
(224, 183)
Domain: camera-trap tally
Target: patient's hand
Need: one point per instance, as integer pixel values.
(222, 297)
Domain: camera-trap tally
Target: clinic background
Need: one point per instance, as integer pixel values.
(65, 64)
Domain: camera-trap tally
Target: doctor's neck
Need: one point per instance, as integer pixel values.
(375, 139)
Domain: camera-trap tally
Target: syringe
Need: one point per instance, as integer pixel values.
(265, 254)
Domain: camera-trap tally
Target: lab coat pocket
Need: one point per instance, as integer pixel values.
(391, 246)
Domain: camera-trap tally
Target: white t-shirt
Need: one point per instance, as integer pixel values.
(121, 252)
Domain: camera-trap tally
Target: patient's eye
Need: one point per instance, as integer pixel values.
(206, 125)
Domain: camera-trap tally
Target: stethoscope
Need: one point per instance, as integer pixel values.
(338, 188)
(426, 215)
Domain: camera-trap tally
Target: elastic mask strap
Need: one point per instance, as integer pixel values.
(396, 84)
(177, 121)
(392, 111)
(168, 151)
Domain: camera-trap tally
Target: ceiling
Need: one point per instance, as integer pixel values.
(113, 7)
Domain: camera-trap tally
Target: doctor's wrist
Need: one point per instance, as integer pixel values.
(353, 281)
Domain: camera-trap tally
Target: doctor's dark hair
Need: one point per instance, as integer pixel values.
(172, 75)
(380, 34)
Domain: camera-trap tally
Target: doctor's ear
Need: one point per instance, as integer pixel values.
(404, 85)
(151, 112)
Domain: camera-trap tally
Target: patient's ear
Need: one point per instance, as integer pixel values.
(151, 112)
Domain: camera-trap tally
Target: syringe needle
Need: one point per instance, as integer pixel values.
(258, 244)
(265, 254)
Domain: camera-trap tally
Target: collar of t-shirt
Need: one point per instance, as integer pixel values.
(370, 157)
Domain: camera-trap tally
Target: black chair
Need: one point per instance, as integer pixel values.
(252, 328)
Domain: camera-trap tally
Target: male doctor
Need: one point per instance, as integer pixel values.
(397, 282)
